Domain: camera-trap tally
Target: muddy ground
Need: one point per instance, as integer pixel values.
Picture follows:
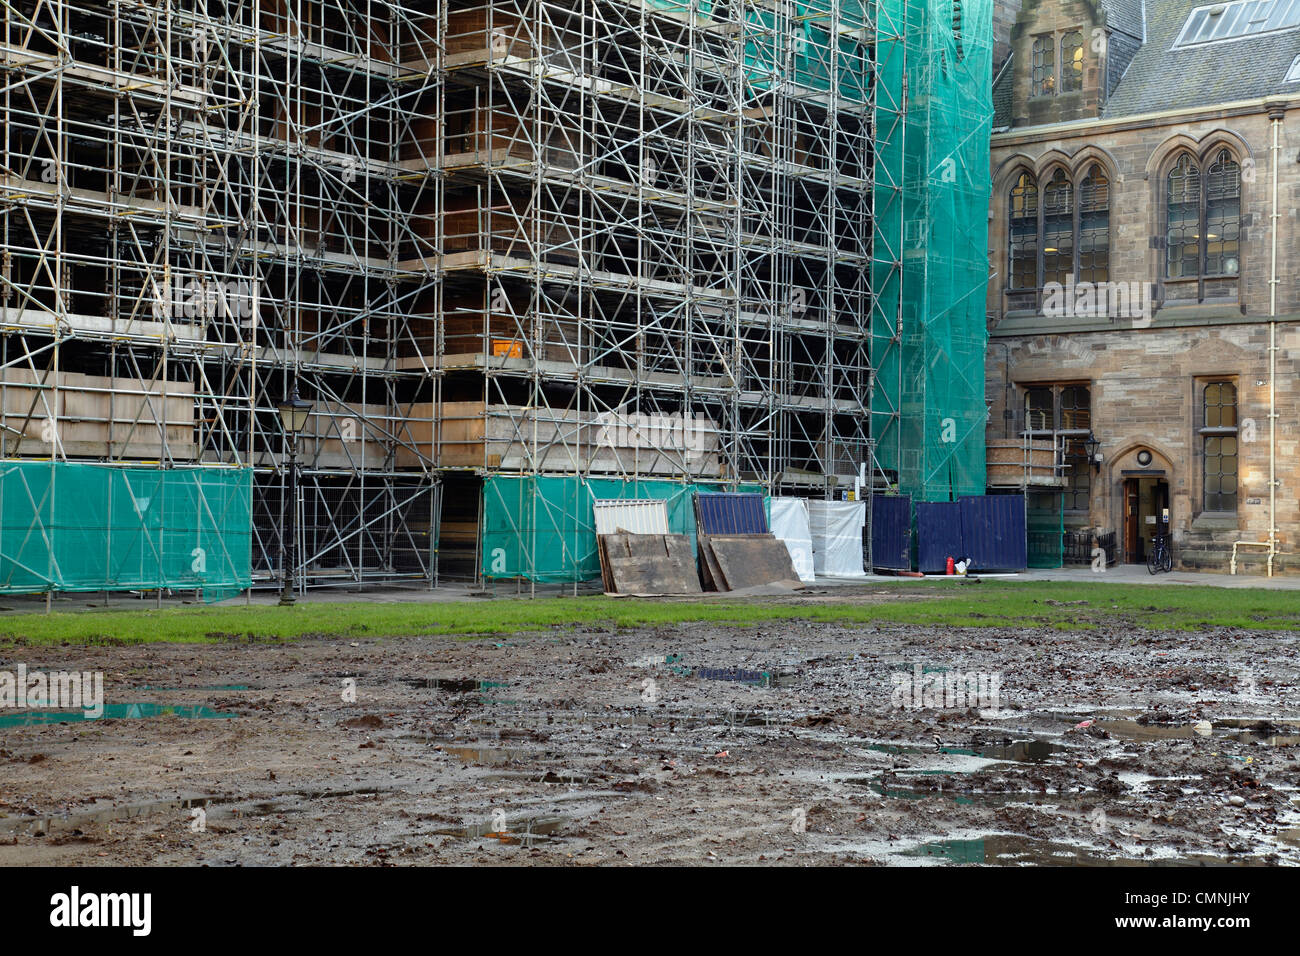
(778, 744)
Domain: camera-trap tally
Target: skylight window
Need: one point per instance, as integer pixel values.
(1293, 74)
(1238, 19)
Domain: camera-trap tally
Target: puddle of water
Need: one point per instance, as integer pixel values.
(456, 685)
(1008, 850)
(689, 721)
(655, 719)
(452, 685)
(491, 756)
(676, 664)
(743, 718)
(74, 821)
(737, 674)
(1021, 751)
(52, 823)
(570, 778)
(896, 792)
(1245, 731)
(115, 712)
(528, 832)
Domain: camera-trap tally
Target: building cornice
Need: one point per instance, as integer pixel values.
(1075, 128)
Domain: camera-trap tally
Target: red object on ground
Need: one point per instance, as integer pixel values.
(952, 566)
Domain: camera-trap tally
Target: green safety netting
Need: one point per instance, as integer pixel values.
(1045, 524)
(71, 526)
(543, 528)
(701, 7)
(799, 48)
(930, 265)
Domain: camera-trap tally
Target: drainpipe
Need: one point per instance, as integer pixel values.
(1275, 116)
(1007, 410)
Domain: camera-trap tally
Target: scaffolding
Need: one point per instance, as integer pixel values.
(625, 240)
(202, 207)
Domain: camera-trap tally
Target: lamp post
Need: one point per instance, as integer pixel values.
(293, 416)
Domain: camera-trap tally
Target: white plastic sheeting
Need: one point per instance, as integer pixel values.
(637, 515)
(790, 526)
(836, 531)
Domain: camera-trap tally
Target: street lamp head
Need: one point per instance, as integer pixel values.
(1094, 450)
(293, 414)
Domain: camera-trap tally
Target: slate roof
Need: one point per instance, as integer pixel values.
(1162, 78)
(1125, 15)
(1002, 93)
(1153, 76)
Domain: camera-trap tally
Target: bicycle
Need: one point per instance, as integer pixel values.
(1160, 558)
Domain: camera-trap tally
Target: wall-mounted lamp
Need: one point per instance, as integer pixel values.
(1094, 450)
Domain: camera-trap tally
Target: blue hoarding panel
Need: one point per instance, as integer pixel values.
(891, 532)
(938, 535)
(730, 513)
(993, 532)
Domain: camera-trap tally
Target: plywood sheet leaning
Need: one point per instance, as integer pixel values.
(735, 562)
(710, 573)
(649, 564)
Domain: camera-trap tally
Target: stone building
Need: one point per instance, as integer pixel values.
(1142, 301)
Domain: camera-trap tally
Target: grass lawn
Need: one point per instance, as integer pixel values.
(986, 604)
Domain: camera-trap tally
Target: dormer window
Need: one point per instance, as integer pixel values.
(1072, 62)
(1044, 79)
(1240, 18)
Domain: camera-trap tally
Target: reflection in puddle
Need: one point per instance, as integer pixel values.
(31, 826)
(491, 756)
(676, 664)
(671, 721)
(1266, 732)
(115, 712)
(294, 801)
(1009, 850)
(452, 685)
(527, 832)
(894, 791)
(457, 685)
(1030, 751)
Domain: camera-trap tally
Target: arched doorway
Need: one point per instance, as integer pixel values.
(1144, 476)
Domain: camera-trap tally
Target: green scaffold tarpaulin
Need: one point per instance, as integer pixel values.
(544, 528)
(71, 526)
(930, 252)
(796, 48)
